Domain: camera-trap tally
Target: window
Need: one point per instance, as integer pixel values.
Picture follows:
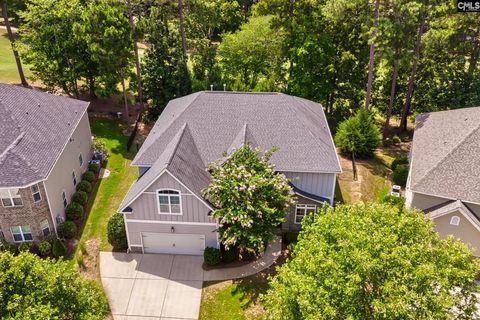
(11, 198)
(455, 221)
(74, 178)
(64, 200)
(169, 201)
(80, 159)
(36, 193)
(21, 233)
(45, 228)
(302, 210)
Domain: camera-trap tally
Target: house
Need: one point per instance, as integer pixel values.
(165, 211)
(444, 177)
(44, 149)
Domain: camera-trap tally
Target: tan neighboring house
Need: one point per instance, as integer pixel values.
(444, 178)
(45, 145)
(165, 211)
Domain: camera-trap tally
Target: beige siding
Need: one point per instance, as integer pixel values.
(145, 207)
(422, 201)
(320, 184)
(465, 231)
(60, 178)
(136, 228)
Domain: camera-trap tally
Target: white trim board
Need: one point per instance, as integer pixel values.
(171, 222)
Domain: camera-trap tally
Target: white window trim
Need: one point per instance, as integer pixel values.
(11, 200)
(74, 178)
(80, 156)
(304, 207)
(455, 221)
(21, 233)
(33, 193)
(169, 206)
(64, 200)
(44, 224)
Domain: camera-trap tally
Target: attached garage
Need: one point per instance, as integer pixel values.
(171, 243)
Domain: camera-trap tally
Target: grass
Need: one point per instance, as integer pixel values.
(8, 67)
(108, 192)
(234, 300)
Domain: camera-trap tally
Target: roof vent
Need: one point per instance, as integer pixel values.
(68, 123)
(39, 105)
(26, 112)
(211, 87)
(224, 87)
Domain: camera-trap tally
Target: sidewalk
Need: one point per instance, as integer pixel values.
(271, 254)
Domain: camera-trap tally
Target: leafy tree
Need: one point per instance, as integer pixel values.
(358, 135)
(251, 199)
(251, 57)
(72, 42)
(374, 262)
(35, 288)
(165, 72)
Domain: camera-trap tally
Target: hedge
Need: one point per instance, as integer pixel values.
(44, 247)
(74, 211)
(84, 186)
(94, 167)
(212, 256)
(58, 248)
(67, 230)
(80, 197)
(116, 233)
(89, 176)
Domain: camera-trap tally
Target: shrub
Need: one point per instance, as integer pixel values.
(8, 247)
(400, 159)
(358, 135)
(229, 255)
(74, 211)
(44, 247)
(58, 248)
(94, 167)
(25, 246)
(212, 256)
(290, 237)
(89, 176)
(99, 145)
(400, 174)
(67, 230)
(116, 233)
(80, 197)
(396, 139)
(84, 186)
(387, 142)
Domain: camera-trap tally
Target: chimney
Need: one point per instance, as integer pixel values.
(224, 87)
(211, 87)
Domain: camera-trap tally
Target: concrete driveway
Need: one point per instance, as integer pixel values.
(152, 286)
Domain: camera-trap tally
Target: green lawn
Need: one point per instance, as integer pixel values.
(109, 192)
(8, 67)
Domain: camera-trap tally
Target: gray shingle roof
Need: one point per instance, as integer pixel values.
(181, 158)
(445, 156)
(295, 125)
(34, 128)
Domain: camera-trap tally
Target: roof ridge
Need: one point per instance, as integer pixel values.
(474, 130)
(177, 143)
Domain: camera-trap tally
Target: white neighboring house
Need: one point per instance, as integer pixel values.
(45, 145)
(165, 211)
(444, 177)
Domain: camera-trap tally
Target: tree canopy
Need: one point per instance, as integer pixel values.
(251, 200)
(35, 288)
(374, 262)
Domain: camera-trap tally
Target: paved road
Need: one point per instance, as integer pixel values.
(152, 286)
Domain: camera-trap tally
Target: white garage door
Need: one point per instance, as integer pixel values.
(193, 244)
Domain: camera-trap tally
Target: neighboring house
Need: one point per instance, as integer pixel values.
(444, 178)
(165, 211)
(44, 149)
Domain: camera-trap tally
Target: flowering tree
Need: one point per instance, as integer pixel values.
(251, 199)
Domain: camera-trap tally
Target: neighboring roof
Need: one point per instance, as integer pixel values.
(453, 206)
(34, 128)
(445, 154)
(219, 120)
(182, 160)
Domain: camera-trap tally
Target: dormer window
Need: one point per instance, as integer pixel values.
(11, 198)
(455, 221)
(169, 201)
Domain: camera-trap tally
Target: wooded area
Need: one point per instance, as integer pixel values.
(395, 57)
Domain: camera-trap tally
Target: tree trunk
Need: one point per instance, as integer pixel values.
(354, 167)
(411, 81)
(137, 60)
(393, 91)
(125, 100)
(3, 5)
(473, 60)
(371, 61)
(182, 29)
